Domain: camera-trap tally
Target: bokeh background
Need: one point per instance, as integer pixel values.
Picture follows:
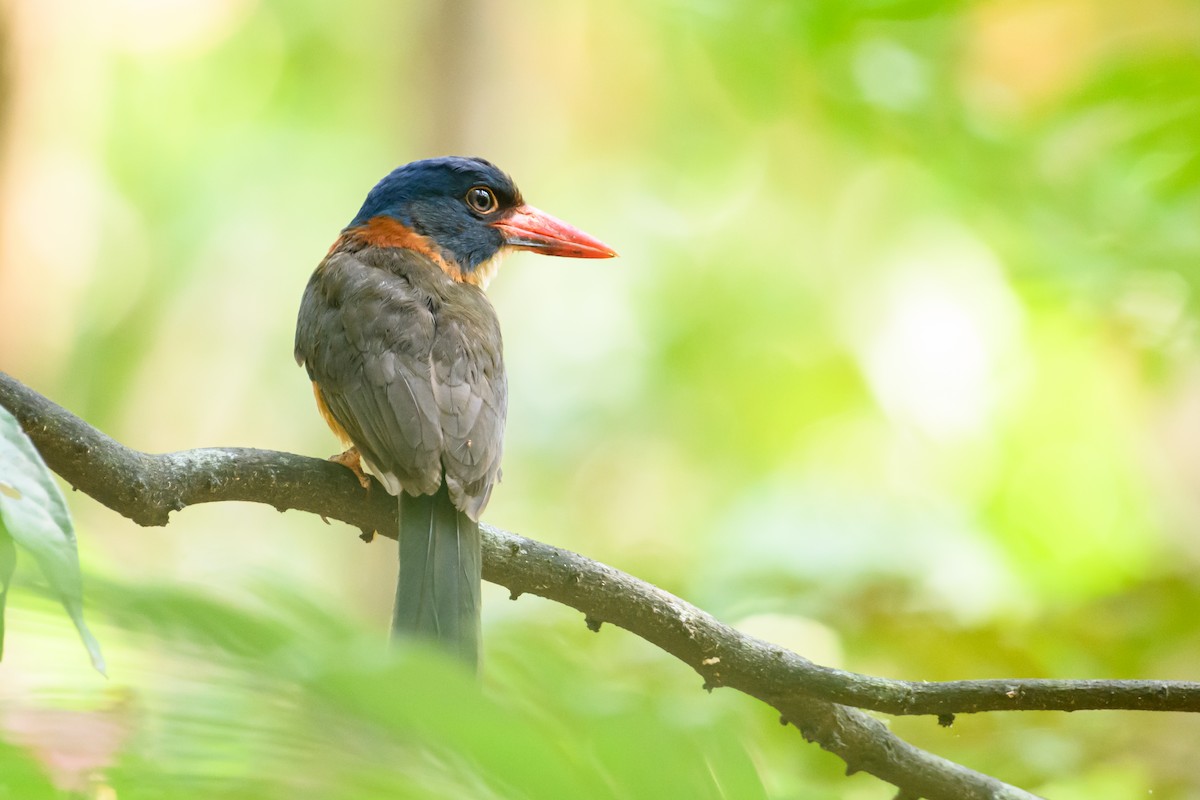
(899, 367)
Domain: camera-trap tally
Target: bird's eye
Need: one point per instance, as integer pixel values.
(482, 199)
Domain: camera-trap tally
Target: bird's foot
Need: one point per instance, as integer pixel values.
(352, 461)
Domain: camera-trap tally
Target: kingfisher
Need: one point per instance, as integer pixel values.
(407, 365)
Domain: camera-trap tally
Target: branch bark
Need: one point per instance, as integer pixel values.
(146, 488)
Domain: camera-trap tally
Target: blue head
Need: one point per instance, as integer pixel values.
(471, 210)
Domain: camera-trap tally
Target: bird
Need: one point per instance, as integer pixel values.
(406, 360)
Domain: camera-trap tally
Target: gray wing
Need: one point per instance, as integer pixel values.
(416, 382)
(472, 398)
(365, 337)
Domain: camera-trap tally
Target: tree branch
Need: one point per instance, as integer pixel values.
(147, 487)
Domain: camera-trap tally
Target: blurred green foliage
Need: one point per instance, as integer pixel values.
(898, 368)
(35, 520)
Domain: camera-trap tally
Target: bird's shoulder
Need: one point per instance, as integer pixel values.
(352, 268)
(395, 298)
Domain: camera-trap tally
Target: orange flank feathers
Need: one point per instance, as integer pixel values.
(333, 424)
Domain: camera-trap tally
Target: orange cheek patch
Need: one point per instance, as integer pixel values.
(385, 231)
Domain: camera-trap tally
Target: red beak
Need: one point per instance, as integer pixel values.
(526, 228)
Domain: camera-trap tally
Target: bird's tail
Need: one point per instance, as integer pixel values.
(437, 596)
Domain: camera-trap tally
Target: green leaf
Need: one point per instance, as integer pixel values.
(8, 561)
(35, 515)
(22, 777)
